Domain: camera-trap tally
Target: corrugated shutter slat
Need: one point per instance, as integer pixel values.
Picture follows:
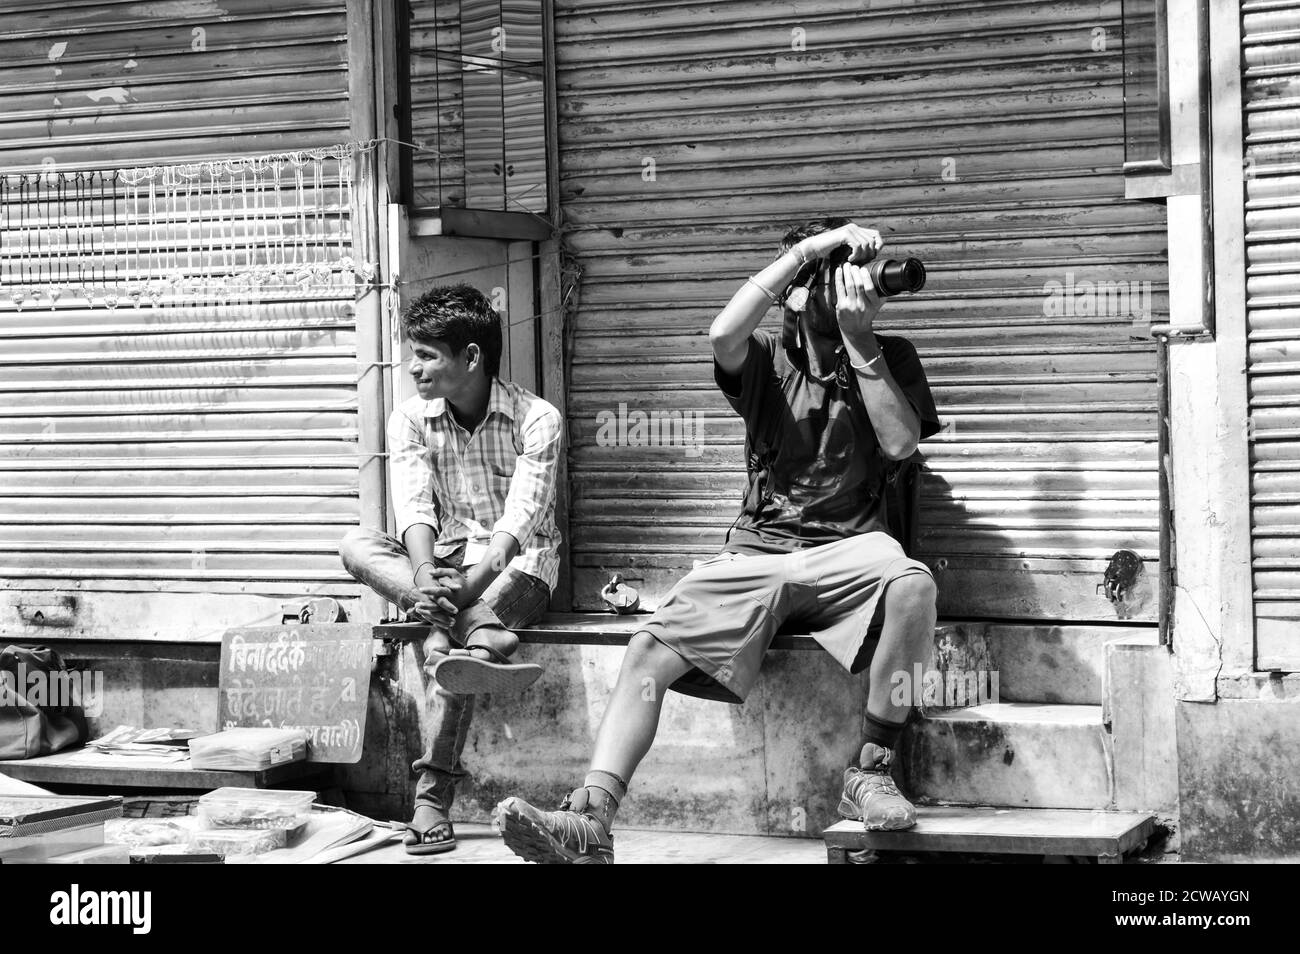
(1271, 126)
(984, 138)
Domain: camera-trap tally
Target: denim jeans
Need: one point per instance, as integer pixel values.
(514, 599)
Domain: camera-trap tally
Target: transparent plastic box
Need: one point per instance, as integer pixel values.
(102, 855)
(238, 841)
(35, 849)
(255, 808)
(248, 749)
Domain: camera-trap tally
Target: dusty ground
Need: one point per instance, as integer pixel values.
(480, 845)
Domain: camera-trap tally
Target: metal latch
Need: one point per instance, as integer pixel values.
(1120, 575)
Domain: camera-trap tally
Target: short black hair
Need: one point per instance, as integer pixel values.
(456, 315)
(809, 229)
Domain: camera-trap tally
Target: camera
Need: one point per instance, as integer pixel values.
(889, 276)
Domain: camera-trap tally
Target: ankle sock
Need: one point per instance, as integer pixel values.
(882, 733)
(604, 792)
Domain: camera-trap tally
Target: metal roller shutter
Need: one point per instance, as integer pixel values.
(984, 138)
(1271, 90)
(151, 454)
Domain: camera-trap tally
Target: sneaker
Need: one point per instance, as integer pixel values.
(871, 797)
(553, 838)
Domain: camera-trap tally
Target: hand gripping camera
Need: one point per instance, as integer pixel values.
(889, 276)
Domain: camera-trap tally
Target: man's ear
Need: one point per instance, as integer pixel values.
(473, 357)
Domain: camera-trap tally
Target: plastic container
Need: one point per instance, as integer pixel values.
(102, 855)
(248, 749)
(238, 841)
(175, 855)
(255, 808)
(145, 832)
(35, 849)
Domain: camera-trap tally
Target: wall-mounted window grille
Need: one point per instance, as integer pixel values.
(476, 106)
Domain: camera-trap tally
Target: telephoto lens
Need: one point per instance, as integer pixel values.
(892, 277)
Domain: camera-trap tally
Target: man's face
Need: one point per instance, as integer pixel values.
(819, 315)
(437, 372)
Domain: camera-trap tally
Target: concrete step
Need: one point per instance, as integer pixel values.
(1032, 755)
(1032, 663)
(1106, 836)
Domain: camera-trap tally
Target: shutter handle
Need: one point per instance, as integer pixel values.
(1121, 573)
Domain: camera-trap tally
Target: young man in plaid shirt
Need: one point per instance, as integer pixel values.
(472, 465)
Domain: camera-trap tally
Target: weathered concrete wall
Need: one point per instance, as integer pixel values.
(1238, 766)
(772, 766)
(152, 685)
(1139, 709)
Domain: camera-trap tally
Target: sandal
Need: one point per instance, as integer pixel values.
(416, 833)
(466, 675)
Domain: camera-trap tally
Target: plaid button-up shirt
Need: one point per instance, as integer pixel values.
(467, 486)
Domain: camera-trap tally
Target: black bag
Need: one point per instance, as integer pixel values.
(36, 715)
(903, 500)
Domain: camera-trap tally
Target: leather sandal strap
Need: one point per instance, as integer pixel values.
(495, 655)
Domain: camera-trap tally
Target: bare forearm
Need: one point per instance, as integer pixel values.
(730, 331)
(897, 427)
(419, 540)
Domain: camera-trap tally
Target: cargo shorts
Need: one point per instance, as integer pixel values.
(722, 615)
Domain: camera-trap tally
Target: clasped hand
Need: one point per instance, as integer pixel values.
(445, 590)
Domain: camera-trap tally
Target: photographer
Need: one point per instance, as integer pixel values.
(827, 405)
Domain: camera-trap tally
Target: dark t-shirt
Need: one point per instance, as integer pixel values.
(816, 472)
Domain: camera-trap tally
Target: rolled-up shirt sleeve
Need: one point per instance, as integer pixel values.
(410, 475)
(532, 486)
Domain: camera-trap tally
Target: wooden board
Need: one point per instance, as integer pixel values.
(579, 629)
(1012, 831)
(310, 677)
(63, 769)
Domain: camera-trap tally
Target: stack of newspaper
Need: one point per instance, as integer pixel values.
(129, 740)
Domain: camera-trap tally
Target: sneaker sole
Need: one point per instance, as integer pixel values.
(533, 843)
(468, 676)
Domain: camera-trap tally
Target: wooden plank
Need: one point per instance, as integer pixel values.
(61, 769)
(579, 629)
(1019, 831)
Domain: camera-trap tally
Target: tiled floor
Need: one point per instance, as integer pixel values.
(480, 845)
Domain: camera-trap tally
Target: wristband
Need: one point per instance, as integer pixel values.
(422, 566)
(866, 364)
